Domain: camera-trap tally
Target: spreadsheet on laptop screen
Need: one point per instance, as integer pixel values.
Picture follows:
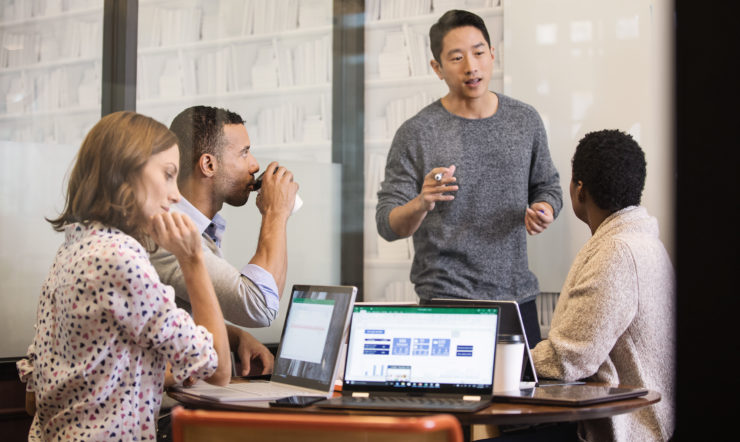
(421, 346)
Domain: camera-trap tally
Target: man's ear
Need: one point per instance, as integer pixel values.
(207, 165)
(437, 68)
(580, 192)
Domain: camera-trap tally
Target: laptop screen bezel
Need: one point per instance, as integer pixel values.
(484, 390)
(298, 381)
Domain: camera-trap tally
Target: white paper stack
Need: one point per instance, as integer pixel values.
(264, 70)
(314, 13)
(372, 10)
(284, 61)
(48, 47)
(175, 25)
(74, 5)
(51, 91)
(419, 52)
(88, 92)
(314, 129)
(223, 19)
(312, 62)
(170, 82)
(267, 16)
(81, 39)
(398, 111)
(91, 44)
(189, 79)
(442, 6)
(17, 10)
(19, 49)
(396, 9)
(400, 249)
(375, 127)
(16, 98)
(286, 15)
(213, 72)
(400, 291)
(374, 174)
(288, 123)
(48, 7)
(393, 60)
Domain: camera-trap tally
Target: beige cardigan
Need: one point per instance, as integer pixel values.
(615, 323)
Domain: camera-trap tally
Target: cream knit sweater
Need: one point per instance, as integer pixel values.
(614, 322)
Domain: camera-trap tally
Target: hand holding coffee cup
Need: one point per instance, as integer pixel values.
(258, 185)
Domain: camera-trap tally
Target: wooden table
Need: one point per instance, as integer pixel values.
(498, 413)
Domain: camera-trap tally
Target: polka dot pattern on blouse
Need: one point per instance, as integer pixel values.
(106, 328)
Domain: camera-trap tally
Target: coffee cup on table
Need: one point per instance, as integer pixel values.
(508, 364)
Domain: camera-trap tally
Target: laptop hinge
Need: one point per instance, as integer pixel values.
(471, 398)
(360, 394)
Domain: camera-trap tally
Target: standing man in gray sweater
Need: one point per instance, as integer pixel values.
(467, 177)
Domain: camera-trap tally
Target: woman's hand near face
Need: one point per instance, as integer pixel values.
(177, 233)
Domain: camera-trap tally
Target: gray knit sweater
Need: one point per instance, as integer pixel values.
(474, 246)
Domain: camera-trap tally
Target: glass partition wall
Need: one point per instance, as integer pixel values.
(270, 62)
(50, 96)
(323, 85)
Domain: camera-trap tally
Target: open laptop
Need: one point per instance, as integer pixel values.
(571, 395)
(306, 362)
(511, 324)
(420, 358)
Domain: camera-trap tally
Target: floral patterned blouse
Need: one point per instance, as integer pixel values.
(105, 329)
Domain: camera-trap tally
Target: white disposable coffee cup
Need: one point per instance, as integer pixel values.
(297, 204)
(508, 366)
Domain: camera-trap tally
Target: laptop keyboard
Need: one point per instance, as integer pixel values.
(412, 403)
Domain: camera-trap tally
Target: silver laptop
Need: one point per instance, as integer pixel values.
(511, 324)
(306, 362)
(426, 358)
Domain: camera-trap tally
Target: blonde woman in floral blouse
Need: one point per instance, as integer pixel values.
(107, 330)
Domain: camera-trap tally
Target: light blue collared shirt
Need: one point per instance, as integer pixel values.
(215, 228)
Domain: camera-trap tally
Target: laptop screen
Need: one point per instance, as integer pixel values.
(510, 324)
(421, 348)
(313, 333)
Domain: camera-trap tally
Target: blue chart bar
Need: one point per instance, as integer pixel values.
(378, 370)
(440, 347)
(421, 347)
(401, 346)
(464, 350)
(372, 348)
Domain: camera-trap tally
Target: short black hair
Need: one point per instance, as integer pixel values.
(453, 19)
(199, 130)
(611, 166)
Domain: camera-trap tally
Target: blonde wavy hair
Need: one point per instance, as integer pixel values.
(102, 184)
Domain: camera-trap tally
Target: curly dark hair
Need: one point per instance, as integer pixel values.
(200, 130)
(611, 166)
(453, 19)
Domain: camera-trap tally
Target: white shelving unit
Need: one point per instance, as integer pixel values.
(272, 61)
(50, 65)
(398, 83)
